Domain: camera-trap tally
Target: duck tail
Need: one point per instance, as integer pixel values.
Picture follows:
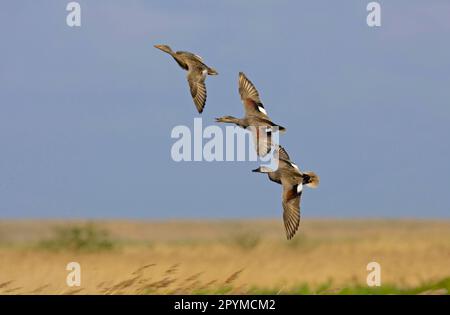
(212, 71)
(281, 129)
(312, 179)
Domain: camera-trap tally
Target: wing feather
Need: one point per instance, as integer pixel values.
(198, 89)
(250, 97)
(282, 153)
(291, 210)
(262, 140)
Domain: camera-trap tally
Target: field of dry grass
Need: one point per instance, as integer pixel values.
(248, 256)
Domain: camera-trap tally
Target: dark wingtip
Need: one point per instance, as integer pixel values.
(199, 108)
(290, 235)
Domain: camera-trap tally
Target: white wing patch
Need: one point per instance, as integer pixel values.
(295, 166)
(262, 110)
(198, 57)
(299, 188)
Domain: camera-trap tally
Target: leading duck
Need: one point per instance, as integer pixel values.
(255, 117)
(197, 72)
(292, 179)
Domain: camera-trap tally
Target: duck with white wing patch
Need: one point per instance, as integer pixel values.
(292, 179)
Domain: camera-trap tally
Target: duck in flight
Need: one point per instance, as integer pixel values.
(197, 72)
(292, 179)
(255, 117)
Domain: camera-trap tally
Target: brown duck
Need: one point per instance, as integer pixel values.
(255, 117)
(292, 179)
(197, 72)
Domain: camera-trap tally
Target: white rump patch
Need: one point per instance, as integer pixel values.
(262, 110)
(299, 188)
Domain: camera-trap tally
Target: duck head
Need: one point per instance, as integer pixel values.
(227, 119)
(263, 169)
(164, 48)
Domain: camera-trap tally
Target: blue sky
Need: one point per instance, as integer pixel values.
(86, 113)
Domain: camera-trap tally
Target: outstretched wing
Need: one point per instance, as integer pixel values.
(291, 208)
(281, 153)
(262, 139)
(196, 81)
(250, 98)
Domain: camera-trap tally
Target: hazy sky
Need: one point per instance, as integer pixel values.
(86, 113)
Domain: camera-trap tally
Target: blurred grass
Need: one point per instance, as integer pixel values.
(245, 240)
(439, 287)
(225, 257)
(87, 237)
